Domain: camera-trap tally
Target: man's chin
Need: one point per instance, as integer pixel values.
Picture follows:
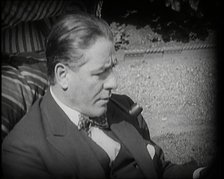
(96, 112)
(100, 111)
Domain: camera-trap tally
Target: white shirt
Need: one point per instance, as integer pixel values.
(110, 146)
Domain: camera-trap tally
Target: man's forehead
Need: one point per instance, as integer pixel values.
(108, 63)
(101, 54)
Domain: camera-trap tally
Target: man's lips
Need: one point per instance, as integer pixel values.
(104, 100)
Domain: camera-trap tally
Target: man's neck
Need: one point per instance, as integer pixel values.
(70, 112)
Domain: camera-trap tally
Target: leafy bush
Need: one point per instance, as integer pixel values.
(120, 36)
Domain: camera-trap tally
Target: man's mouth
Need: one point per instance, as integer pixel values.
(104, 101)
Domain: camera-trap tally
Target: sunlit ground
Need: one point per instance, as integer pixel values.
(177, 92)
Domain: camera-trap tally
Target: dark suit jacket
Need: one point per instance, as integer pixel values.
(46, 144)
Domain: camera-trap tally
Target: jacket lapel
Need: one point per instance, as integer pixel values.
(134, 142)
(66, 138)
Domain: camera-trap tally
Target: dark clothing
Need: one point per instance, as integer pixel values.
(46, 144)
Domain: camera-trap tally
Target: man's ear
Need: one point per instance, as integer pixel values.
(61, 75)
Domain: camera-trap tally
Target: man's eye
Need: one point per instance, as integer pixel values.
(100, 73)
(106, 70)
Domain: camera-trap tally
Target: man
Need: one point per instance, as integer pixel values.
(51, 141)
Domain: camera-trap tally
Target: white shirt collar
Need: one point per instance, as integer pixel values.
(71, 113)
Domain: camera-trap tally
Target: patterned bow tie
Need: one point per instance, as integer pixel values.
(85, 122)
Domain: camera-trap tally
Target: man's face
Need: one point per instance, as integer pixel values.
(90, 86)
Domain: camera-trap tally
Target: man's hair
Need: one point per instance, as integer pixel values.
(70, 36)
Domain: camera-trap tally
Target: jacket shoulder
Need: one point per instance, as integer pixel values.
(28, 129)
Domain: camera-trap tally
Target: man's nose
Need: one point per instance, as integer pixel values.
(111, 82)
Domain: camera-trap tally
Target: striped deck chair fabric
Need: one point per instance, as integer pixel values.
(26, 23)
(21, 31)
(22, 85)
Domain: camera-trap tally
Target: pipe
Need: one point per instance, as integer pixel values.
(134, 111)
